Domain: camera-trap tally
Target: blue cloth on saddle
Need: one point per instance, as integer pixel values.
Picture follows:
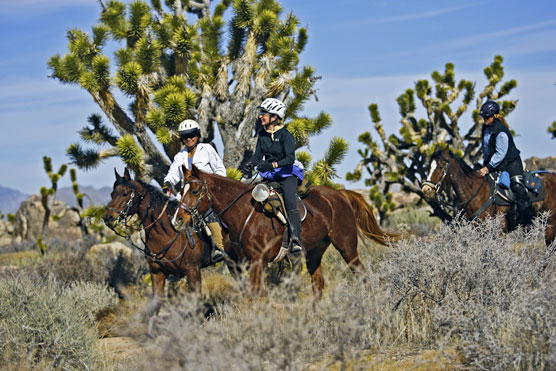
(504, 180)
(283, 172)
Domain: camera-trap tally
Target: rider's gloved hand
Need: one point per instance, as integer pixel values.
(265, 166)
(246, 168)
(166, 188)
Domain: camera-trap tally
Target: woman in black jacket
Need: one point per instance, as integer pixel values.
(501, 154)
(274, 158)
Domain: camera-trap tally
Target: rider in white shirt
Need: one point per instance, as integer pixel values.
(206, 159)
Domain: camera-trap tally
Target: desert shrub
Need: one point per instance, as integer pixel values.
(487, 292)
(468, 287)
(413, 219)
(48, 323)
(67, 267)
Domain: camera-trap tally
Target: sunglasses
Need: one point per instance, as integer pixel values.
(188, 136)
(264, 113)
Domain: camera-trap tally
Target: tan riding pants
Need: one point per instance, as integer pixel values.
(216, 231)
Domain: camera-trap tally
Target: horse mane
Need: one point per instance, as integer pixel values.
(468, 170)
(158, 199)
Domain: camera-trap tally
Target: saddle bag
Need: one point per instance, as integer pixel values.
(303, 188)
(272, 204)
(533, 182)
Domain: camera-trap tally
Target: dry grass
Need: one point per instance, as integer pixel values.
(465, 296)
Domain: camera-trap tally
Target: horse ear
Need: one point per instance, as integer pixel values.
(194, 171)
(118, 177)
(126, 174)
(186, 173)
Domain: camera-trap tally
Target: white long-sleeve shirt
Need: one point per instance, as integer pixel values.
(205, 159)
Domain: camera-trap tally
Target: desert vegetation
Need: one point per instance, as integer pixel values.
(458, 295)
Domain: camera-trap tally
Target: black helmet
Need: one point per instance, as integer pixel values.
(489, 109)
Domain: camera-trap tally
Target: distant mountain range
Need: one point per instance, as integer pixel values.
(11, 198)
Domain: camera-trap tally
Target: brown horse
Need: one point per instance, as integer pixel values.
(167, 250)
(333, 217)
(473, 191)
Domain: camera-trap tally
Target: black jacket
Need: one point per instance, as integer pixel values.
(512, 154)
(279, 147)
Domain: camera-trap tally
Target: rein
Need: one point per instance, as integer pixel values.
(124, 214)
(194, 211)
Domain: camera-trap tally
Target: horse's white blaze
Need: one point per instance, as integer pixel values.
(433, 168)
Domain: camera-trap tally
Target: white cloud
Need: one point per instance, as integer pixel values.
(422, 15)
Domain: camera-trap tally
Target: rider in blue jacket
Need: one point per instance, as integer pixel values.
(501, 154)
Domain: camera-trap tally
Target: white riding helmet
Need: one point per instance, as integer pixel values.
(188, 127)
(274, 106)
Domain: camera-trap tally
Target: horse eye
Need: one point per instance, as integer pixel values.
(195, 191)
(125, 194)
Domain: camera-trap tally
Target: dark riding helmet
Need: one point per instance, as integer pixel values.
(489, 109)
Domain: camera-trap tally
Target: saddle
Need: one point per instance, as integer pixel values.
(505, 197)
(273, 204)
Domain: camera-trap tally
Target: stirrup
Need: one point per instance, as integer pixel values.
(296, 248)
(217, 255)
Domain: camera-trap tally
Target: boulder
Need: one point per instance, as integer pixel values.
(7, 235)
(63, 224)
(535, 163)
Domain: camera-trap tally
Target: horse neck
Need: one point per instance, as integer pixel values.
(466, 185)
(223, 192)
(145, 209)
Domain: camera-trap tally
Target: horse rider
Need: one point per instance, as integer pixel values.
(274, 158)
(205, 158)
(501, 154)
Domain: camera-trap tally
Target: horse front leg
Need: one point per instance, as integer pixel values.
(256, 274)
(158, 280)
(193, 275)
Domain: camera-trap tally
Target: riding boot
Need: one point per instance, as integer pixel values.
(525, 210)
(294, 221)
(217, 254)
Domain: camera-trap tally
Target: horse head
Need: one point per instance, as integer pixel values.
(195, 194)
(438, 169)
(126, 197)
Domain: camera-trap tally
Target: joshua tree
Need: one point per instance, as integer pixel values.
(404, 159)
(552, 129)
(47, 198)
(177, 59)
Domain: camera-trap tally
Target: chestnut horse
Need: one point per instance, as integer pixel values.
(473, 191)
(167, 250)
(333, 217)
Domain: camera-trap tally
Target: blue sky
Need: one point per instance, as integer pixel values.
(365, 51)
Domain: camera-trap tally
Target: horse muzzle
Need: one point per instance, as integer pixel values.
(429, 189)
(109, 220)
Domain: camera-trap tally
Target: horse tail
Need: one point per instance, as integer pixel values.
(366, 221)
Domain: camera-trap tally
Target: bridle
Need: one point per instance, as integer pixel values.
(436, 186)
(132, 204)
